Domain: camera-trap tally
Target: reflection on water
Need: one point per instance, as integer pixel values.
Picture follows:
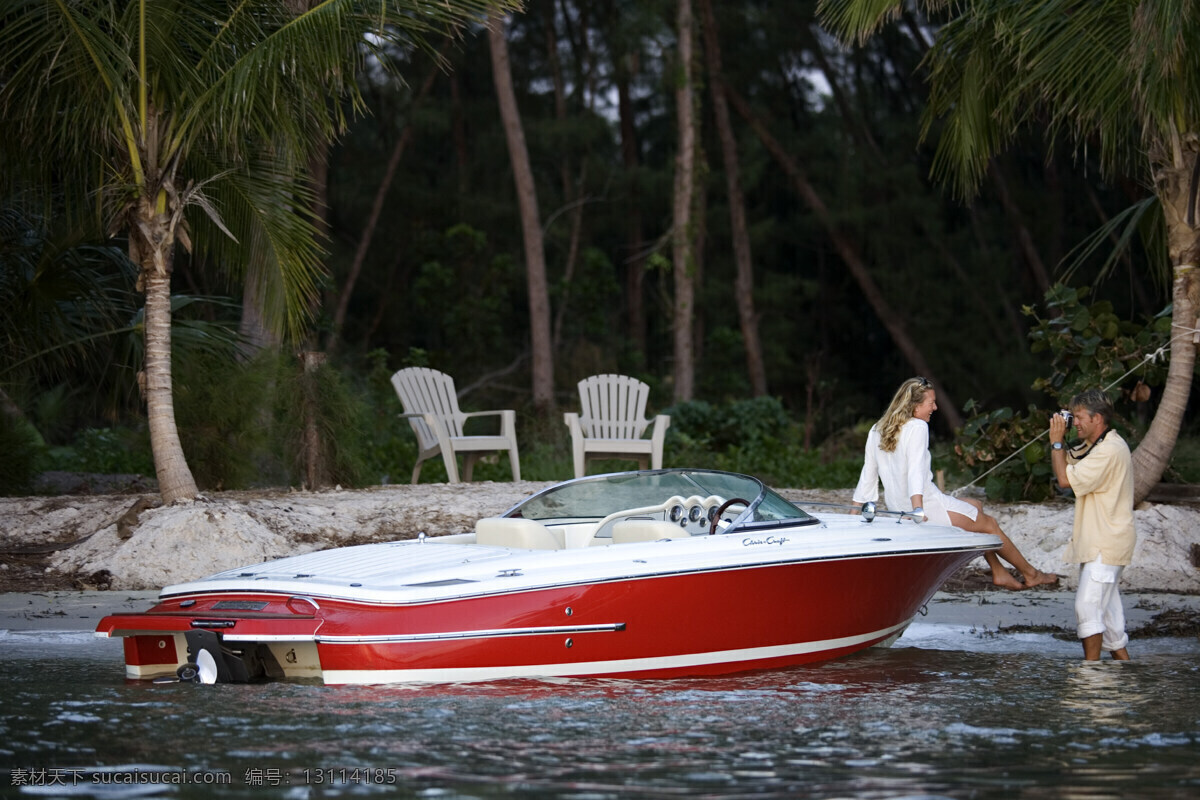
(944, 713)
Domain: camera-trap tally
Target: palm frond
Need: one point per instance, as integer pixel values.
(858, 20)
(1116, 76)
(211, 92)
(1141, 221)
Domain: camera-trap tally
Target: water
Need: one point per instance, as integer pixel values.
(947, 712)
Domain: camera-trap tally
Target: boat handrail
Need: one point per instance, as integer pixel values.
(868, 510)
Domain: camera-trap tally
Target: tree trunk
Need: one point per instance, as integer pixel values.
(531, 226)
(315, 474)
(744, 282)
(1176, 185)
(252, 328)
(681, 234)
(175, 481)
(853, 261)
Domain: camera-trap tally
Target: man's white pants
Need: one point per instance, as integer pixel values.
(1098, 604)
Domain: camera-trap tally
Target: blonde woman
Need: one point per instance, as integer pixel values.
(897, 453)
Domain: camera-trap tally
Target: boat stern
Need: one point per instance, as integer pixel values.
(219, 640)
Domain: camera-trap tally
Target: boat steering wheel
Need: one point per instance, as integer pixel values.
(712, 529)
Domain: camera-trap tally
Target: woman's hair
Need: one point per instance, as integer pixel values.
(910, 395)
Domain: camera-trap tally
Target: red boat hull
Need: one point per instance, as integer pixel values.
(701, 623)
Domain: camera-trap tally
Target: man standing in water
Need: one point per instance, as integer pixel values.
(1100, 472)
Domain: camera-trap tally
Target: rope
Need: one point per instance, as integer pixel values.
(1161, 352)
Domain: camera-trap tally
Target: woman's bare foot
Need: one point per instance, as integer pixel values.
(1041, 579)
(1004, 579)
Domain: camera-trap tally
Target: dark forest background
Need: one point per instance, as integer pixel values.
(426, 266)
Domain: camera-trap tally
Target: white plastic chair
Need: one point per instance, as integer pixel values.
(431, 407)
(611, 423)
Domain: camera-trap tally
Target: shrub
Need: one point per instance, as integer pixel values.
(105, 451)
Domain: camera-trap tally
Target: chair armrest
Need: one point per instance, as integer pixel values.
(485, 413)
(659, 428)
(572, 421)
(508, 421)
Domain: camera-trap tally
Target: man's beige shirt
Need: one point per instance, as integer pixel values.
(1103, 486)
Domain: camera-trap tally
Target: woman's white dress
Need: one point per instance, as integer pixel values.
(906, 471)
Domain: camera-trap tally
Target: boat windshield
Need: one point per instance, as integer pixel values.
(596, 497)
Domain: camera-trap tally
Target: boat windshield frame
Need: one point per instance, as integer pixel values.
(594, 497)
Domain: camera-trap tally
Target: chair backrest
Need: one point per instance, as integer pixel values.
(427, 391)
(613, 407)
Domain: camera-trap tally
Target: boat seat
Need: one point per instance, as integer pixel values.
(646, 530)
(525, 534)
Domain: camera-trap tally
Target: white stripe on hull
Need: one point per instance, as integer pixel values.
(488, 633)
(616, 666)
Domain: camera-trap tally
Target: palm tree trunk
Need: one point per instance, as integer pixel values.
(685, 178)
(1177, 187)
(175, 481)
(744, 282)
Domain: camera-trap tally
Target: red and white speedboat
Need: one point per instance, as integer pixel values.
(642, 574)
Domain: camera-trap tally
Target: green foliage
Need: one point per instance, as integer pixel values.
(700, 424)
(22, 449)
(753, 436)
(390, 448)
(545, 446)
(1089, 347)
(989, 437)
(1185, 461)
(105, 451)
(223, 411)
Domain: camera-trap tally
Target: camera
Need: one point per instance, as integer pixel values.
(1067, 416)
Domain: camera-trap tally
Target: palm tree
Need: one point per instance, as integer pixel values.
(1117, 77)
(140, 113)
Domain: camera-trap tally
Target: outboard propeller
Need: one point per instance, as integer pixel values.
(206, 667)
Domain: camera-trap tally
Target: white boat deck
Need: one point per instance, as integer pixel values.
(443, 568)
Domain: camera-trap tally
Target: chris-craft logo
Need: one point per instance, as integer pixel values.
(767, 540)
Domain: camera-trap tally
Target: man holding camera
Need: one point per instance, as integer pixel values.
(1099, 470)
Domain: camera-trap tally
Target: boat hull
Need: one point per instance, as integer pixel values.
(708, 622)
